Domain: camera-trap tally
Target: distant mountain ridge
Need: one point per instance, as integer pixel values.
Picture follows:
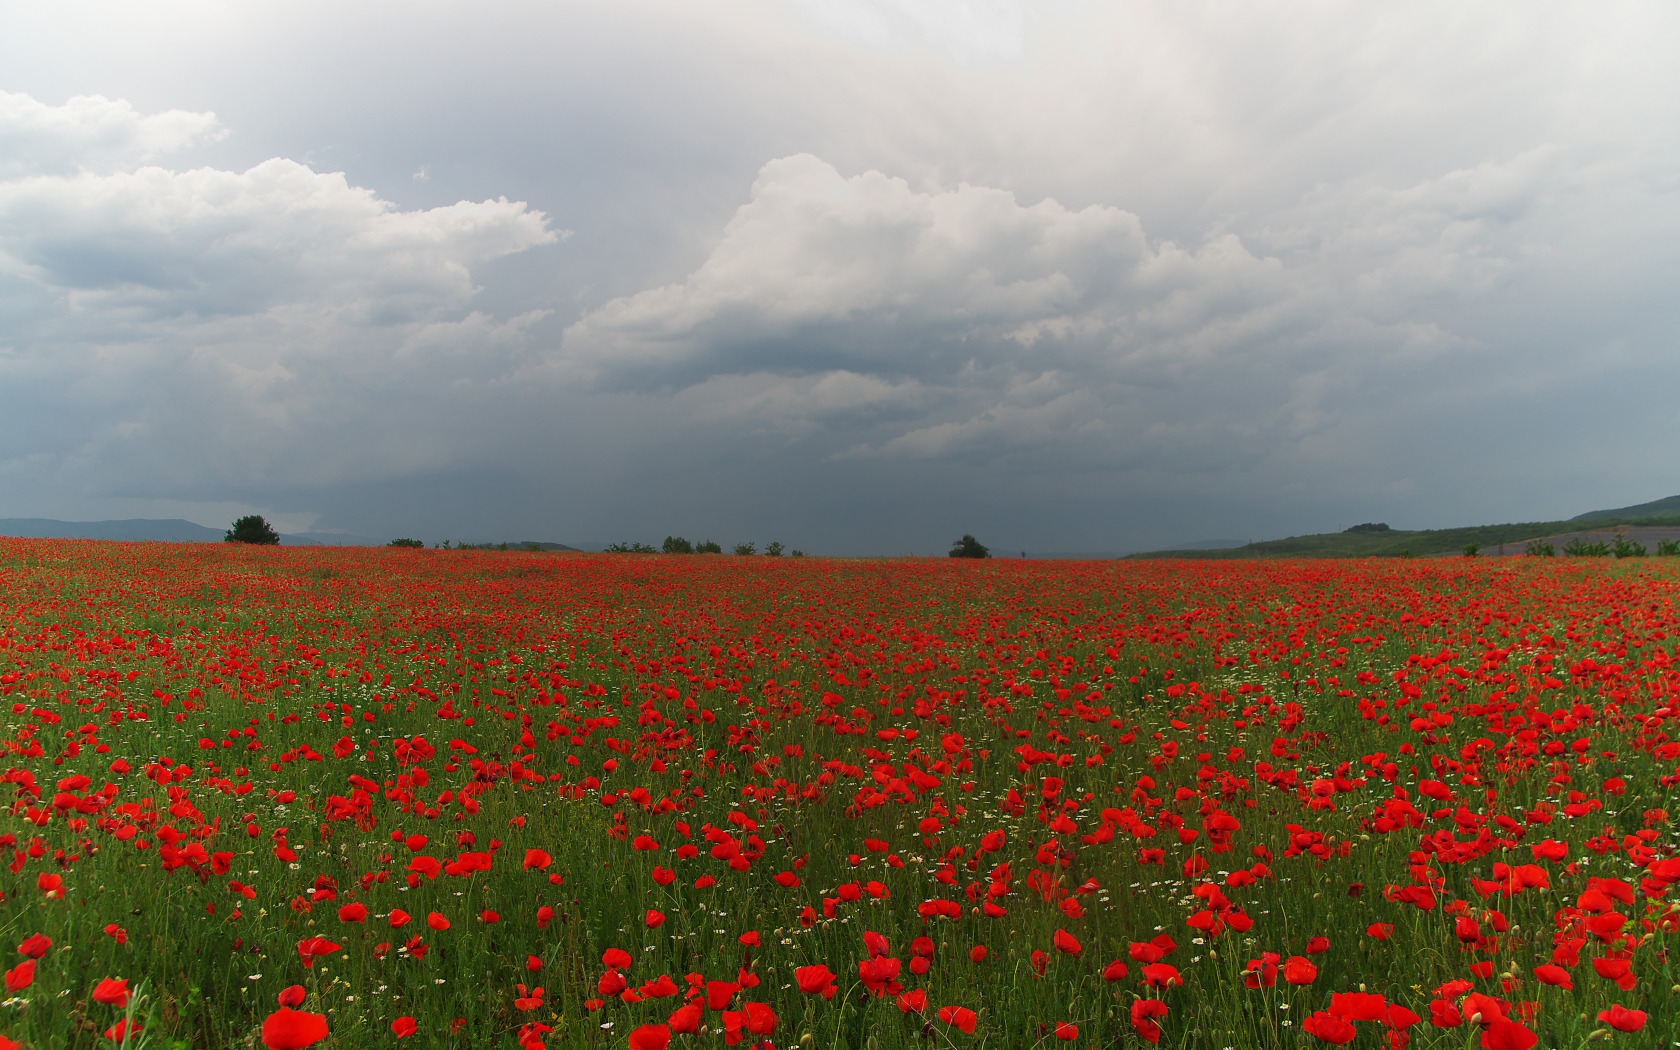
(180, 530)
(1667, 507)
(1510, 538)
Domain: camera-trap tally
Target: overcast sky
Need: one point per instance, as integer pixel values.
(857, 275)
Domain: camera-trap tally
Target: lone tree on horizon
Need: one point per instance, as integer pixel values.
(252, 529)
(969, 547)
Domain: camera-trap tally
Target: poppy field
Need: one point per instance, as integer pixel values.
(292, 797)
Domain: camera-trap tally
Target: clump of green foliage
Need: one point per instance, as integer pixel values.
(1540, 549)
(969, 547)
(708, 547)
(252, 529)
(1627, 548)
(1668, 548)
(746, 548)
(405, 543)
(1579, 548)
(631, 548)
(676, 545)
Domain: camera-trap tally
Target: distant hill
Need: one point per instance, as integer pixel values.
(1669, 507)
(157, 530)
(179, 530)
(1389, 543)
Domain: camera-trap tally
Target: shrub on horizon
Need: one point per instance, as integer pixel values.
(252, 529)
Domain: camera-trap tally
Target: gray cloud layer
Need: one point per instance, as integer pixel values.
(1072, 276)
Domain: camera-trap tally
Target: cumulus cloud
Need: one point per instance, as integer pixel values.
(1032, 330)
(199, 328)
(91, 133)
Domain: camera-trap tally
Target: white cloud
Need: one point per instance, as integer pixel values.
(90, 133)
(272, 326)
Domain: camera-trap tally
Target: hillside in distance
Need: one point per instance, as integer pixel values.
(1372, 542)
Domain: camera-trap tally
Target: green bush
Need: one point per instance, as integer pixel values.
(1540, 549)
(1626, 548)
(405, 543)
(1579, 548)
(1668, 548)
(631, 548)
(748, 547)
(676, 545)
(252, 529)
(772, 549)
(969, 547)
(708, 547)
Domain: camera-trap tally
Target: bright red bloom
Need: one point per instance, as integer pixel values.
(815, 980)
(960, 1016)
(1066, 943)
(538, 859)
(1328, 1028)
(293, 1029)
(1144, 1012)
(718, 993)
(1504, 1034)
(20, 976)
(1546, 973)
(111, 992)
(36, 945)
(311, 947)
(650, 1037)
(1299, 970)
(686, 1019)
(1358, 1006)
(403, 1027)
(292, 995)
(1622, 1019)
(353, 913)
(436, 921)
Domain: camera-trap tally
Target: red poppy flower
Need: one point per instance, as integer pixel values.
(1114, 971)
(292, 995)
(1144, 1012)
(111, 992)
(1618, 970)
(489, 916)
(398, 917)
(353, 913)
(1066, 943)
(1504, 1034)
(1546, 973)
(1299, 970)
(1358, 1006)
(960, 1016)
(536, 858)
(1382, 931)
(718, 993)
(20, 976)
(293, 1029)
(815, 980)
(116, 1033)
(1329, 1028)
(36, 945)
(403, 1027)
(686, 1019)
(977, 953)
(913, 1002)
(311, 947)
(650, 1037)
(1161, 975)
(436, 921)
(654, 918)
(1622, 1019)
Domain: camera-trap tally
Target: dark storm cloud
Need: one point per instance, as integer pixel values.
(859, 271)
